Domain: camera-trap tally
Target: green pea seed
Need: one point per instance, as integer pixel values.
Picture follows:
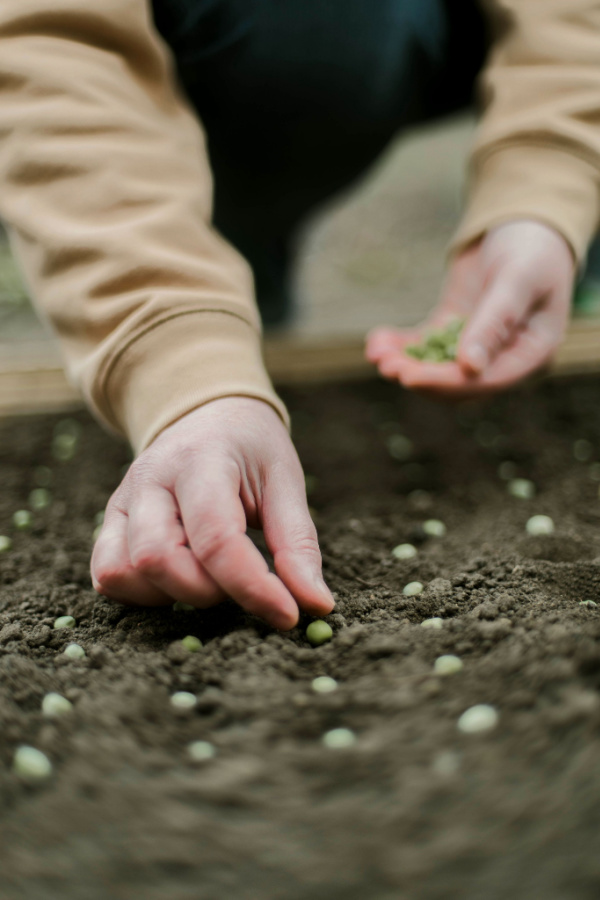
(201, 750)
(412, 589)
(183, 700)
(178, 606)
(400, 447)
(191, 643)
(74, 651)
(339, 738)
(323, 684)
(507, 470)
(40, 498)
(447, 665)
(55, 705)
(477, 719)
(521, 488)
(22, 519)
(404, 551)
(319, 632)
(434, 528)
(5, 543)
(435, 623)
(42, 476)
(583, 450)
(538, 525)
(31, 764)
(589, 603)
(64, 622)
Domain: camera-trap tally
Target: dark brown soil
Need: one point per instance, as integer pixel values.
(416, 809)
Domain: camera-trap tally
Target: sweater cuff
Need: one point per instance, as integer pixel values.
(181, 363)
(532, 182)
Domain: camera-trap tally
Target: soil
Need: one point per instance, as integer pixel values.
(415, 809)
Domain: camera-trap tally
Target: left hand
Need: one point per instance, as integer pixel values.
(513, 288)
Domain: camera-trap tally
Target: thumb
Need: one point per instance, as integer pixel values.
(291, 537)
(502, 310)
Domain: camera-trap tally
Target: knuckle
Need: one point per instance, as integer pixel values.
(211, 542)
(150, 561)
(107, 579)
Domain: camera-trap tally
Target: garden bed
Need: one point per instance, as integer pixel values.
(415, 808)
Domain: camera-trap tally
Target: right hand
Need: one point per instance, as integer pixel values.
(175, 529)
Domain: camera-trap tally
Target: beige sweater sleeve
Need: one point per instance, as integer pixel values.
(105, 187)
(537, 152)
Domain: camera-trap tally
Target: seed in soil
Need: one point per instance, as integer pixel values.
(96, 533)
(74, 651)
(22, 519)
(99, 517)
(42, 476)
(436, 623)
(178, 606)
(191, 643)
(412, 589)
(55, 705)
(31, 764)
(434, 528)
(538, 525)
(399, 447)
(5, 543)
(439, 345)
(64, 447)
(583, 450)
(39, 499)
(200, 751)
(339, 738)
(521, 488)
(64, 622)
(507, 470)
(447, 665)
(404, 551)
(183, 700)
(319, 632)
(478, 719)
(323, 684)
(591, 603)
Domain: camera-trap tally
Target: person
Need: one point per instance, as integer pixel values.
(108, 115)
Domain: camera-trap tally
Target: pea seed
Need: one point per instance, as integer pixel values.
(99, 517)
(521, 488)
(74, 651)
(538, 525)
(31, 764)
(323, 684)
(507, 470)
(404, 551)
(96, 532)
(590, 603)
(5, 543)
(412, 589)
(339, 738)
(183, 700)
(583, 450)
(40, 498)
(447, 665)
(64, 447)
(435, 623)
(42, 476)
(201, 750)
(434, 528)
(64, 622)
(191, 643)
(178, 606)
(69, 427)
(319, 632)
(478, 719)
(399, 447)
(438, 345)
(55, 705)
(22, 519)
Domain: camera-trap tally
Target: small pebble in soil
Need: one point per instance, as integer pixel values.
(183, 700)
(64, 622)
(404, 551)
(40, 498)
(319, 632)
(478, 719)
(200, 751)
(412, 589)
(399, 447)
(42, 476)
(436, 623)
(434, 528)
(191, 643)
(178, 606)
(538, 525)
(583, 450)
(339, 738)
(521, 488)
(74, 651)
(447, 665)
(22, 519)
(55, 705)
(507, 470)
(5, 543)
(31, 764)
(590, 603)
(323, 684)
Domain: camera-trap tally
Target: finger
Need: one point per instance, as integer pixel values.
(215, 524)
(291, 537)
(503, 309)
(113, 575)
(158, 550)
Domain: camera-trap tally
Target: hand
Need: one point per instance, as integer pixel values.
(175, 529)
(514, 290)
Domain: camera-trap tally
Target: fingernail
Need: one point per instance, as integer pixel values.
(324, 591)
(476, 356)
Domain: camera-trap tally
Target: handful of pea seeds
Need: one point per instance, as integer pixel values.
(439, 345)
